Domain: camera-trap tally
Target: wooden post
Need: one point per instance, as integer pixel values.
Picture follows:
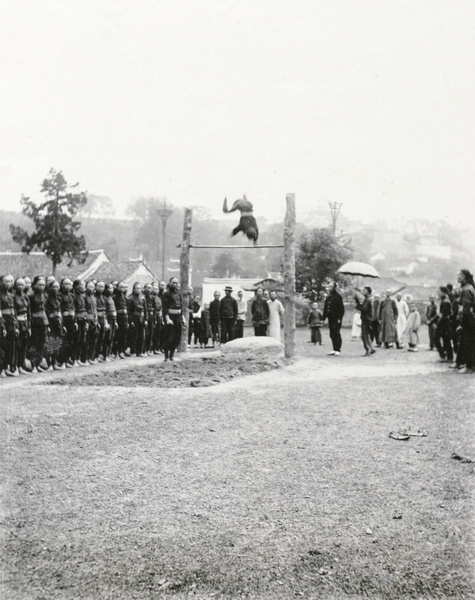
(289, 277)
(185, 277)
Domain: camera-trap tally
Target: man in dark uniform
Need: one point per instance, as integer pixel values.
(22, 309)
(147, 290)
(214, 317)
(80, 344)
(120, 301)
(366, 308)
(68, 313)
(102, 324)
(334, 310)
(228, 312)
(157, 325)
(91, 322)
(172, 319)
(138, 319)
(10, 324)
(111, 318)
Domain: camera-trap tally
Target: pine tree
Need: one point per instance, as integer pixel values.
(55, 230)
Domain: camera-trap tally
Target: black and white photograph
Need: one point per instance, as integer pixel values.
(237, 300)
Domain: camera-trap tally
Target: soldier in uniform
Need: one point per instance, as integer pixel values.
(70, 326)
(102, 324)
(27, 289)
(22, 309)
(111, 317)
(147, 290)
(39, 324)
(10, 325)
(138, 319)
(80, 345)
(54, 337)
(172, 318)
(120, 302)
(157, 302)
(91, 322)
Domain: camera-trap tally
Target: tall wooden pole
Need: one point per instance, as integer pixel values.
(289, 277)
(185, 277)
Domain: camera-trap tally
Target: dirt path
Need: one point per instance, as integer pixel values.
(195, 369)
(270, 486)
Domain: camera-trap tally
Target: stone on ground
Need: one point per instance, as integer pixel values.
(258, 346)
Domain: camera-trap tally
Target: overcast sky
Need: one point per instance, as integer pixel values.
(365, 102)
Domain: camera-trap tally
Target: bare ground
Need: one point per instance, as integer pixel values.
(278, 485)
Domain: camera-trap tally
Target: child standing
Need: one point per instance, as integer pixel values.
(315, 322)
(411, 331)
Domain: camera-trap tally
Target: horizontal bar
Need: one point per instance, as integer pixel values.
(262, 246)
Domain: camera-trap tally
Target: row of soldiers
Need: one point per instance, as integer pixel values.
(51, 325)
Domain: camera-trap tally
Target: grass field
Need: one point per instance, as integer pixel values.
(280, 485)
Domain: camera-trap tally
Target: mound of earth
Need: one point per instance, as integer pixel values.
(257, 346)
(194, 372)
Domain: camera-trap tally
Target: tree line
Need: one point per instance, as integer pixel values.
(56, 219)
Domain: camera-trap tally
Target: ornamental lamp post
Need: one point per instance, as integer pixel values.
(164, 213)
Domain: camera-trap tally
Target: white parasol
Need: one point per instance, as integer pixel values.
(359, 269)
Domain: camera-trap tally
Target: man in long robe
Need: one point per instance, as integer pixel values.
(402, 314)
(276, 310)
(388, 313)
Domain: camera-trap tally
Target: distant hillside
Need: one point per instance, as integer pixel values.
(116, 238)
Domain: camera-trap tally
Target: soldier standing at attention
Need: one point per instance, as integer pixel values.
(80, 344)
(157, 325)
(138, 318)
(172, 318)
(54, 337)
(10, 324)
(22, 308)
(120, 302)
(111, 317)
(91, 319)
(39, 324)
(69, 322)
(147, 290)
(102, 324)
